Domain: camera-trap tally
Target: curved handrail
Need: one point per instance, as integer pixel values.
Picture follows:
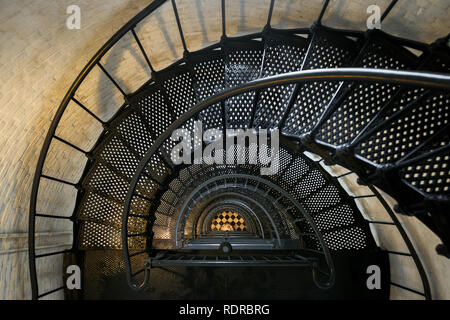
(429, 80)
(196, 191)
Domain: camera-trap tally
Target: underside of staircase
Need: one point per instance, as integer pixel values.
(146, 228)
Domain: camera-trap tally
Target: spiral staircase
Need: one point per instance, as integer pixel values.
(361, 115)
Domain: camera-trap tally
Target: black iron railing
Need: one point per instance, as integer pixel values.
(405, 78)
(312, 262)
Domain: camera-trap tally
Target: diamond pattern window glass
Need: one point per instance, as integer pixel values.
(228, 221)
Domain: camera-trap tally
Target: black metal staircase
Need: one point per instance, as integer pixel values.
(362, 100)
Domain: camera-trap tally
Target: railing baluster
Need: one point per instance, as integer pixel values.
(444, 130)
(322, 12)
(53, 253)
(50, 292)
(141, 47)
(408, 289)
(269, 19)
(224, 24)
(88, 111)
(254, 108)
(399, 253)
(139, 216)
(143, 234)
(52, 217)
(180, 29)
(71, 145)
(344, 175)
(388, 10)
(138, 272)
(112, 79)
(59, 180)
(436, 152)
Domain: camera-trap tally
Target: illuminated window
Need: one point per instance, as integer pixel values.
(228, 221)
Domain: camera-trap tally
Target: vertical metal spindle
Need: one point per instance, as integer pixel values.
(71, 145)
(439, 134)
(322, 13)
(180, 29)
(224, 120)
(388, 9)
(291, 103)
(112, 79)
